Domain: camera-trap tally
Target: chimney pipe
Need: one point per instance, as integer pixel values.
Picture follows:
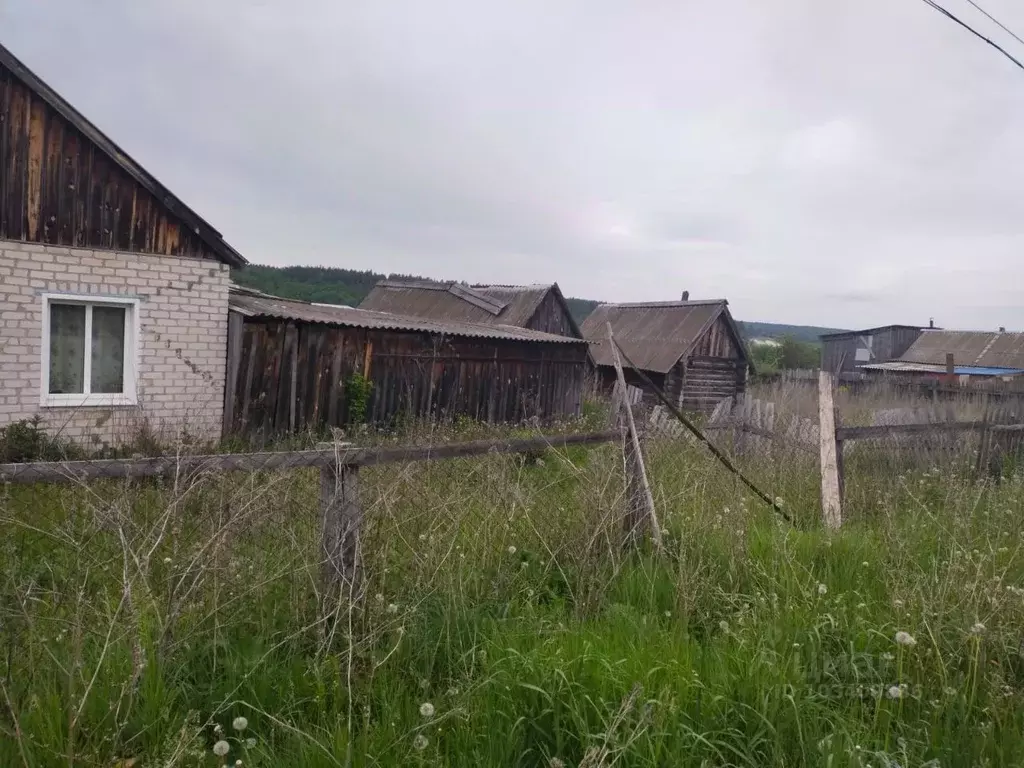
(931, 322)
(686, 296)
(1002, 329)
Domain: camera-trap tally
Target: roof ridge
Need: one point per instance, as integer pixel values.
(667, 304)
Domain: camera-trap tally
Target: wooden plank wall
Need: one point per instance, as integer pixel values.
(551, 317)
(58, 188)
(291, 377)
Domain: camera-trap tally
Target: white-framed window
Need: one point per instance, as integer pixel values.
(90, 351)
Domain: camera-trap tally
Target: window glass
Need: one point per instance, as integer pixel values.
(67, 348)
(107, 373)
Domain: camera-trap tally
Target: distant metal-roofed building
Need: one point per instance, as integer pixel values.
(847, 351)
(539, 307)
(292, 366)
(985, 354)
(692, 350)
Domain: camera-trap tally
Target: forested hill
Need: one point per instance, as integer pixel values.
(348, 286)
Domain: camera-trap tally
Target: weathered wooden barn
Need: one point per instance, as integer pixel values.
(692, 350)
(847, 351)
(537, 307)
(295, 366)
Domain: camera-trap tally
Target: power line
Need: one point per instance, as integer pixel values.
(973, 31)
(997, 22)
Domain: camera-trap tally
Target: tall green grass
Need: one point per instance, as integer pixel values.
(136, 619)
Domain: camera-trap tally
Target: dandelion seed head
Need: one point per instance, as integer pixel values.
(822, 589)
(554, 762)
(250, 743)
(511, 549)
(905, 639)
(392, 608)
(239, 724)
(894, 692)
(978, 628)
(723, 625)
(427, 709)
(217, 728)
(167, 560)
(221, 748)
(420, 742)
(238, 764)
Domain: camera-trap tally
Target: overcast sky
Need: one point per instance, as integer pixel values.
(835, 162)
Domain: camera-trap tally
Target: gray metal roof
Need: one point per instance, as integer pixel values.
(655, 335)
(490, 304)
(252, 303)
(986, 349)
(174, 206)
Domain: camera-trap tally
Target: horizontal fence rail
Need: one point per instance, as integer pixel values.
(341, 455)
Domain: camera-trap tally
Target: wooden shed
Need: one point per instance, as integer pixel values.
(295, 366)
(692, 350)
(537, 307)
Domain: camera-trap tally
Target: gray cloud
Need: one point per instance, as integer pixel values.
(842, 164)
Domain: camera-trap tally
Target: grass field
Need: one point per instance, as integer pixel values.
(503, 625)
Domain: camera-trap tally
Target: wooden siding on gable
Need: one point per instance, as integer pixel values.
(717, 341)
(58, 187)
(551, 317)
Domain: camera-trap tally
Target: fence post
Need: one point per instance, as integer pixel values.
(831, 500)
(640, 512)
(341, 518)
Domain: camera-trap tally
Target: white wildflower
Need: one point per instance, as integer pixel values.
(554, 762)
(221, 748)
(887, 657)
(905, 638)
(239, 723)
(238, 764)
(392, 608)
(250, 743)
(865, 564)
(511, 549)
(723, 625)
(822, 589)
(427, 709)
(420, 742)
(167, 560)
(978, 628)
(778, 501)
(217, 729)
(895, 692)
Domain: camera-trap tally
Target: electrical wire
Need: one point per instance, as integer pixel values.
(997, 22)
(973, 31)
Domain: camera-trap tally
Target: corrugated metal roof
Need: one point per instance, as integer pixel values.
(899, 366)
(489, 304)
(655, 335)
(985, 349)
(256, 304)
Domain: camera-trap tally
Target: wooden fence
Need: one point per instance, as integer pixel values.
(340, 510)
(754, 426)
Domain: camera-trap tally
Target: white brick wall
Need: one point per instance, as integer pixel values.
(183, 316)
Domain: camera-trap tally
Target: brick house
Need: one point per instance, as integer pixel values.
(113, 293)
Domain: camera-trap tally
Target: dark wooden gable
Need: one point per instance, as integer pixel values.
(62, 182)
(554, 316)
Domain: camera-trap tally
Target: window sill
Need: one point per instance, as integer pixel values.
(86, 401)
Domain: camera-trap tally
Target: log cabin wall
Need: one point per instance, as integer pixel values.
(291, 377)
(715, 369)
